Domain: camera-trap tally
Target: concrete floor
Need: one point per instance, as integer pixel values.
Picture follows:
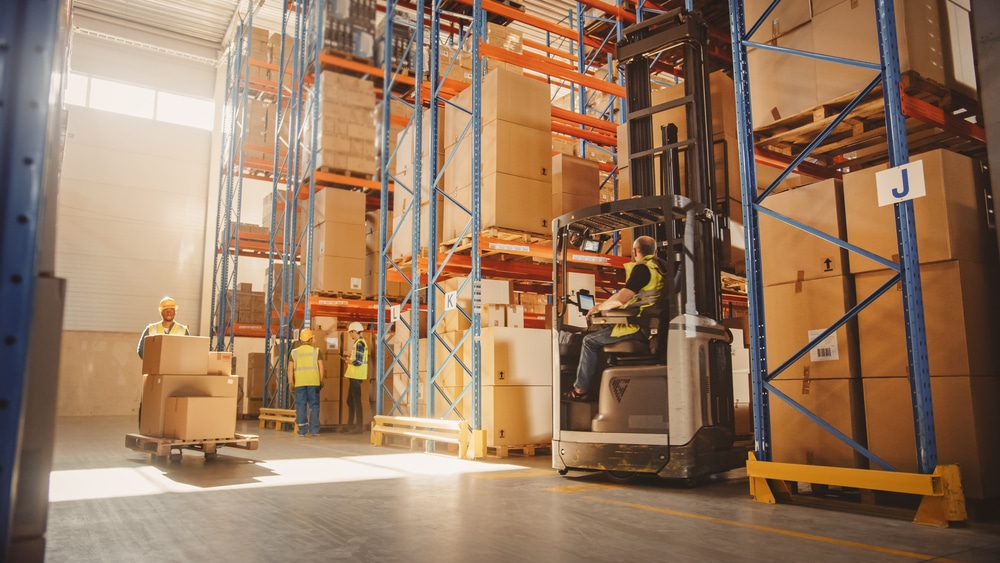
(337, 498)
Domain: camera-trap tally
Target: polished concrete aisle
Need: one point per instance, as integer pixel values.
(337, 498)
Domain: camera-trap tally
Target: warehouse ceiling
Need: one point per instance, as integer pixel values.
(209, 23)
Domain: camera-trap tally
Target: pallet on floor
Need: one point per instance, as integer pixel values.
(279, 417)
(160, 447)
(529, 450)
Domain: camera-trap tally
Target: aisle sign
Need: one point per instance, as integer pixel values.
(450, 300)
(393, 313)
(900, 183)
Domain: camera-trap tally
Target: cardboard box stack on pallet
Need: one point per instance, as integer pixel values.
(957, 266)
(188, 393)
(349, 28)
(933, 40)
(575, 184)
(806, 289)
(339, 242)
(516, 157)
(346, 126)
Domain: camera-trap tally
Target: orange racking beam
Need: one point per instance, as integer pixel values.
(586, 134)
(533, 21)
(537, 62)
(609, 9)
(573, 117)
(546, 49)
(778, 160)
(933, 115)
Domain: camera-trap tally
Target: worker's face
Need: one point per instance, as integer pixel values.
(168, 314)
(353, 334)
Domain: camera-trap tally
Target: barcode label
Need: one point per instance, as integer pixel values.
(825, 351)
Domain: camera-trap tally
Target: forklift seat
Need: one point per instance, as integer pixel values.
(627, 348)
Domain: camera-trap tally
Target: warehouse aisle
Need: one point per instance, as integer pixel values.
(336, 498)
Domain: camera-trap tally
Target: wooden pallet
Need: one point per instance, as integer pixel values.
(347, 57)
(339, 294)
(529, 450)
(345, 172)
(508, 235)
(279, 417)
(859, 141)
(162, 447)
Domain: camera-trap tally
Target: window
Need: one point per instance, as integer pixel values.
(184, 110)
(122, 98)
(76, 89)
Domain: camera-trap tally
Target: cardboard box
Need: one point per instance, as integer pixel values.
(331, 387)
(344, 206)
(789, 254)
(794, 313)
(256, 364)
(339, 275)
(506, 96)
(797, 439)
(175, 354)
(960, 314)
(402, 226)
(220, 363)
(573, 175)
(329, 413)
(514, 356)
(156, 389)
(790, 87)
(506, 202)
(517, 415)
(199, 418)
(492, 292)
(339, 240)
(950, 219)
(508, 148)
(966, 421)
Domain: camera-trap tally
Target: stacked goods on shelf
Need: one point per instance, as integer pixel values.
(346, 129)
(250, 305)
(806, 289)
(279, 214)
(274, 58)
(574, 184)
(188, 393)
(338, 258)
(258, 129)
(516, 161)
(456, 64)
(928, 36)
(259, 51)
(349, 27)
(403, 26)
(298, 282)
(256, 364)
(498, 308)
(370, 283)
(957, 266)
(399, 111)
(404, 188)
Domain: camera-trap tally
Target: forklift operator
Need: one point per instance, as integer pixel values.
(642, 288)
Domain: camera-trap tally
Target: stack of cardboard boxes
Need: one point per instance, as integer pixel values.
(516, 157)
(575, 184)
(806, 289)
(456, 64)
(346, 127)
(406, 185)
(188, 393)
(350, 27)
(339, 241)
(372, 254)
(957, 262)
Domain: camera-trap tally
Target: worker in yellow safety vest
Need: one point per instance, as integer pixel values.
(305, 373)
(356, 357)
(168, 310)
(644, 281)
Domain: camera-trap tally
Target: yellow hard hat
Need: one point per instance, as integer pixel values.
(167, 303)
(355, 326)
(306, 335)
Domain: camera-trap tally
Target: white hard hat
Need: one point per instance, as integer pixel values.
(355, 326)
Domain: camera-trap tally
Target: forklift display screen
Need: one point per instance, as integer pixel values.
(584, 302)
(591, 245)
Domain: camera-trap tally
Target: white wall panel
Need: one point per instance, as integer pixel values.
(99, 374)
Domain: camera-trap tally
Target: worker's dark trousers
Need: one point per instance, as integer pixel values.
(354, 410)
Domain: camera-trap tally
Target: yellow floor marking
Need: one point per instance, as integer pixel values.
(800, 535)
(519, 474)
(580, 488)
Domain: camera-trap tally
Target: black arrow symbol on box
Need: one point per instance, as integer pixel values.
(828, 263)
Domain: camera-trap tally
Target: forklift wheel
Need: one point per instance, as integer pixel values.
(563, 471)
(620, 476)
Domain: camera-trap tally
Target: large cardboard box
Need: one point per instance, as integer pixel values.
(342, 240)
(505, 147)
(790, 254)
(517, 415)
(506, 202)
(175, 354)
(329, 413)
(344, 206)
(790, 85)
(506, 96)
(950, 219)
(960, 315)
(338, 275)
(199, 418)
(574, 175)
(402, 227)
(514, 356)
(797, 439)
(156, 389)
(796, 312)
(966, 424)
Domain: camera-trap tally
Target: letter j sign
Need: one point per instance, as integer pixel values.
(901, 183)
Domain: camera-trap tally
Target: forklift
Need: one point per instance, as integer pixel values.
(664, 403)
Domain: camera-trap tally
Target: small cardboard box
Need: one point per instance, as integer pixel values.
(175, 355)
(199, 418)
(220, 363)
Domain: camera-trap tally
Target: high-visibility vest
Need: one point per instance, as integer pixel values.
(646, 296)
(306, 361)
(158, 328)
(358, 372)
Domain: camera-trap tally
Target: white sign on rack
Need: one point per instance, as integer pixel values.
(450, 300)
(900, 183)
(393, 313)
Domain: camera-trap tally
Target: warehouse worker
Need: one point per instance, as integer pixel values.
(356, 356)
(168, 310)
(642, 287)
(305, 373)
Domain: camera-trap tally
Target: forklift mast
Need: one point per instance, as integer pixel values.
(675, 42)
